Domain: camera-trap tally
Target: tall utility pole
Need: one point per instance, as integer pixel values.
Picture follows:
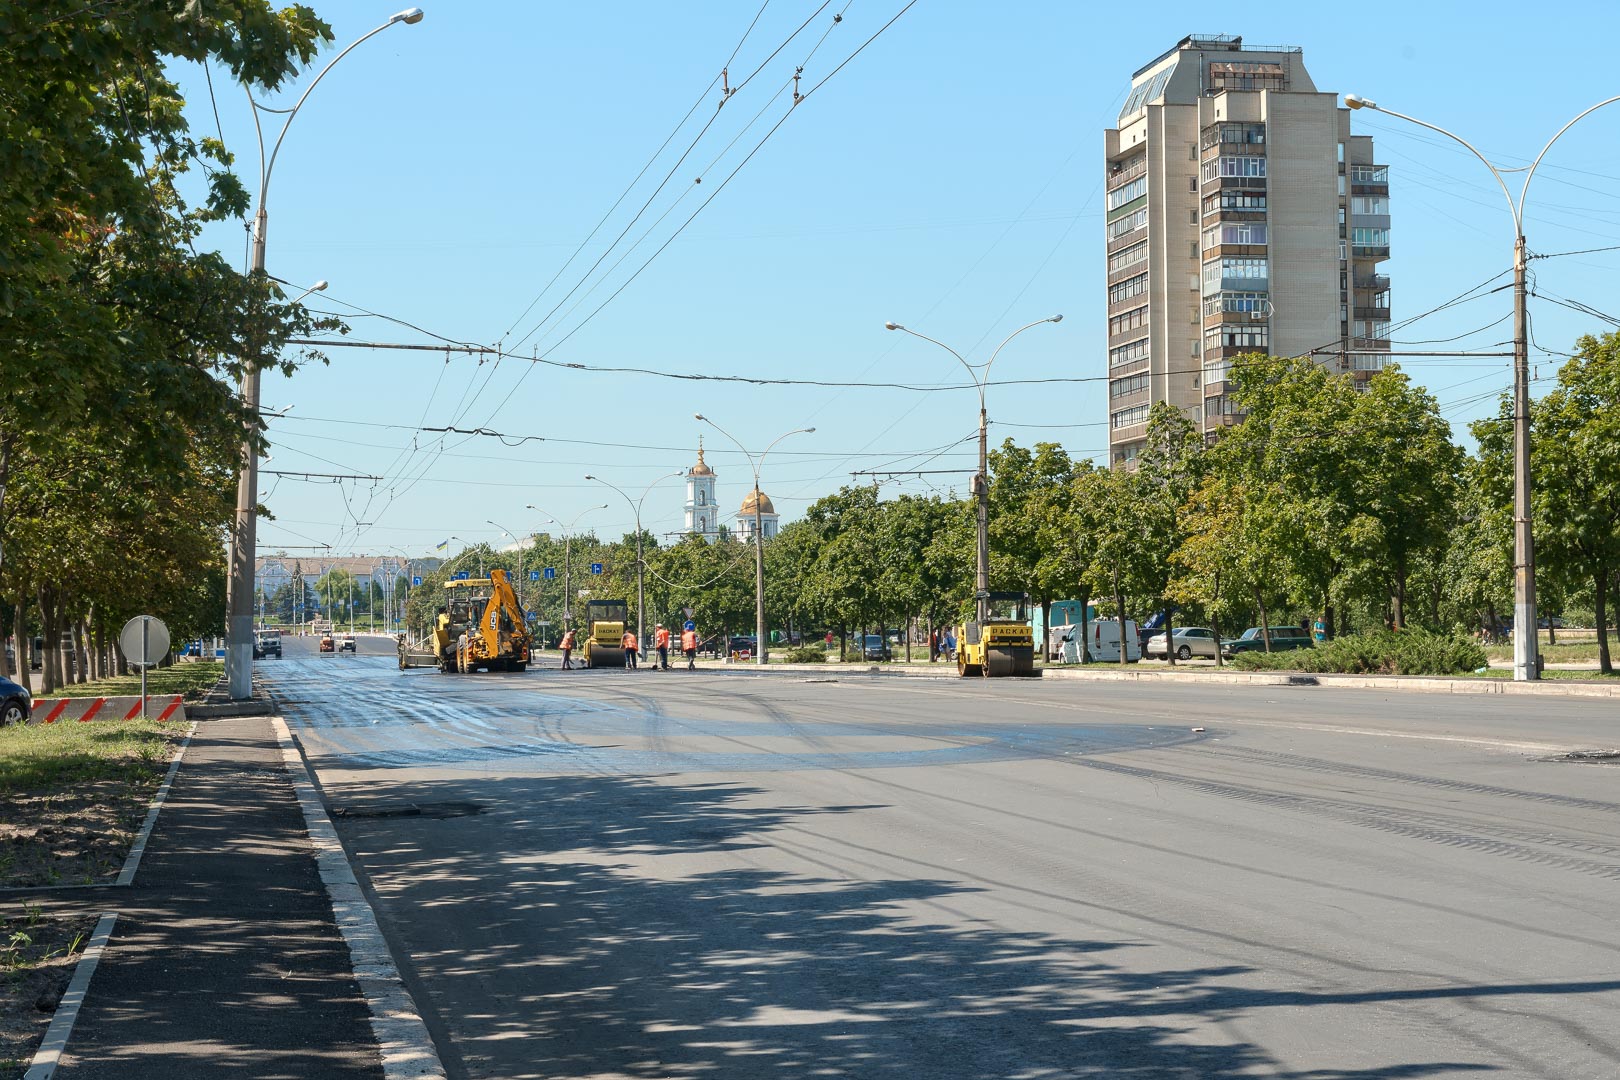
(641, 591)
(761, 649)
(980, 374)
(244, 539)
(1526, 628)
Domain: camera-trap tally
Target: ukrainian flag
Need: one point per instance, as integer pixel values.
(441, 546)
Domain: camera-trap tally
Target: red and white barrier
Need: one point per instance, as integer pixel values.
(124, 707)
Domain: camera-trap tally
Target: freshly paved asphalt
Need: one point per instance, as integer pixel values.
(611, 874)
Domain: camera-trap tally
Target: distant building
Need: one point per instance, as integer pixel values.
(769, 522)
(702, 512)
(1242, 216)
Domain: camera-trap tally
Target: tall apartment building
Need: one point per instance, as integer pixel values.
(1242, 217)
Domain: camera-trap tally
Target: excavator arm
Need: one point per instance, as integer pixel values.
(503, 619)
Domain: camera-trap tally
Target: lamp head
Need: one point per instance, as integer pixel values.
(1356, 101)
(319, 286)
(699, 416)
(410, 17)
(1055, 318)
(588, 476)
(809, 431)
(892, 326)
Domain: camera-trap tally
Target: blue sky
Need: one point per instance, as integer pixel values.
(948, 177)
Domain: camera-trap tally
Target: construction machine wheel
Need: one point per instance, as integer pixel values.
(1008, 661)
(965, 669)
(520, 665)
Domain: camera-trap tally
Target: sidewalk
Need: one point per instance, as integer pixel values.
(225, 960)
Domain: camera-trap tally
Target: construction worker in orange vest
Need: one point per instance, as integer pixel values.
(567, 646)
(689, 647)
(661, 639)
(630, 649)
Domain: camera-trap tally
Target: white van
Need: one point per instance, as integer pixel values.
(1104, 634)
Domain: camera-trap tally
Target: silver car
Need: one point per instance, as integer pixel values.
(1191, 641)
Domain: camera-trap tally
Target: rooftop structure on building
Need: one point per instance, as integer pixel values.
(757, 502)
(1242, 216)
(702, 512)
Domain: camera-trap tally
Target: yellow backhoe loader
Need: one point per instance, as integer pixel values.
(480, 626)
(1003, 645)
(604, 632)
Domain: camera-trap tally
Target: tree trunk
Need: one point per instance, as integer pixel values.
(1046, 629)
(5, 662)
(19, 630)
(1328, 628)
(1600, 596)
(1084, 652)
(1215, 618)
(81, 656)
(47, 654)
(1169, 633)
(7, 442)
(1119, 617)
(911, 625)
(1399, 598)
(1265, 622)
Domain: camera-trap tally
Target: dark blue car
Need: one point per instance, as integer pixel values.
(15, 703)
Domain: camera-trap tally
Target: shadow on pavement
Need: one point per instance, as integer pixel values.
(577, 928)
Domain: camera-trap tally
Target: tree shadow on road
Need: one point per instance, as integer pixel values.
(578, 928)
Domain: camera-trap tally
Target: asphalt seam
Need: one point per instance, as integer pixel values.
(49, 1054)
(408, 1052)
(132, 862)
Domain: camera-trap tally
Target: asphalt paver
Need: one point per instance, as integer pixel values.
(225, 960)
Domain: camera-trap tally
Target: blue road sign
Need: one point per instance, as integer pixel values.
(534, 575)
(551, 572)
(596, 568)
(416, 580)
(689, 625)
(463, 575)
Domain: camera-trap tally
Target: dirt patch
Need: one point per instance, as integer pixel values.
(77, 837)
(37, 957)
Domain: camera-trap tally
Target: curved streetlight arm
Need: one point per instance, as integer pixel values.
(734, 442)
(1009, 337)
(973, 372)
(1525, 190)
(1355, 101)
(267, 166)
(768, 449)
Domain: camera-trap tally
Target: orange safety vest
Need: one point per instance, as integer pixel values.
(663, 637)
(568, 640)
(689, 639)
(629, 639)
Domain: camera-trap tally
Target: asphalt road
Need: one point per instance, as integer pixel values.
(725, 875)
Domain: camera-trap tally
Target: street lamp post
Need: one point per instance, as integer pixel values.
(635, 505)
(980, 374)
(239, 589)
(1526, 646)
(760, 649)
(568, 556)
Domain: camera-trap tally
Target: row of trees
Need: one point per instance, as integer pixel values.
(1355, 508)
(120, 343)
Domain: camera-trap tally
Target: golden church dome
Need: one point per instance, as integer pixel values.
(764, 500)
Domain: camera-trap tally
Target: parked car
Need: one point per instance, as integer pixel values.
(346, 643)
(16, 703)
(327, 644)
(1283, 638)
(875, 647)
(1190, 641)
(1105, 640)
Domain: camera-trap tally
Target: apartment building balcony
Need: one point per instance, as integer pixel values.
(1232, 183)
(1132, 270)
(1372, 282)
(1380, 313)
(1370, 251)
(1125, 240)
(1369, 179)
(1125, 176)
(1235, 251)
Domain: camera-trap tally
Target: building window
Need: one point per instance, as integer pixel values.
(1253, 337)
(1126, 321)
(1369, 174)
(1128, 385)
(1247, 165)
(1128, 288)
(1235, 199)
(1368, 205)
(1216, 371)
(1126, 192)
(1127, 456)
(700, 497)
(1247, 76)
(1369, 237)
(1129, 257)
(1127, 224)
(1372, 328)
(1237, 232)
(1239, 302)
(1221, 405)
(1137, 414)
(1217, 272)
(1252, 134)
(1127, 353)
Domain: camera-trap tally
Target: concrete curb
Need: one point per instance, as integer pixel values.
(1100, 673)
(49, 1054)
(407, 1050)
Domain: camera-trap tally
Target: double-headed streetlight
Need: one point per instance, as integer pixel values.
(980, 374)
(760, 649)
(239, 588)
(568, 554)
(1526, 646)
(635, 504)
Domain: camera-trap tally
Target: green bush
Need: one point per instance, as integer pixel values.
(1407, 652)
(806, 654)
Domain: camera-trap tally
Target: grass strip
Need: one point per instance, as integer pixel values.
(191, 679)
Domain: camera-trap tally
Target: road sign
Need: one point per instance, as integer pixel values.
(144, 641)
(551, 573)
(416, 580)
(596, 568)
(462, 575)
(690, 625)
(534, 575)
